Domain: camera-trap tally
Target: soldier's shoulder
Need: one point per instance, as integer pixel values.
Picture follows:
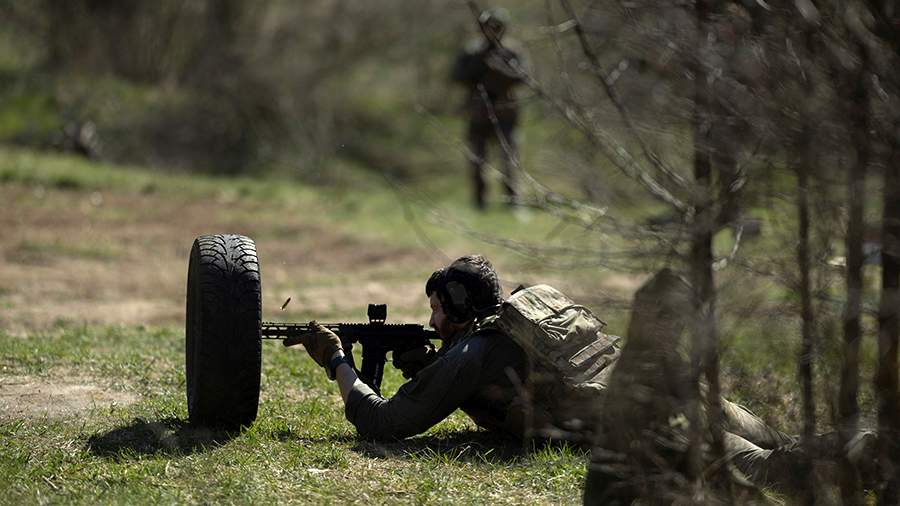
(474, 45)
(492, 337)
(485, 329)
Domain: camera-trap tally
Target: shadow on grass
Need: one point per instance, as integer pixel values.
(465, 446)
(169, 436)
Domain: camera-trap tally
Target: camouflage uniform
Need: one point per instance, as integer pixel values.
(490, 73)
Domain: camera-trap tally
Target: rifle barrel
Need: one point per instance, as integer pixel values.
(273, 330)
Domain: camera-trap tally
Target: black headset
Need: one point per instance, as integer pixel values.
(456, 301)
(457, 305)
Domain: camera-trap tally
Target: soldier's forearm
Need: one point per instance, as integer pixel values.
(346, 377)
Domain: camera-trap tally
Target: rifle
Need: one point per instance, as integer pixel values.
(377, 338)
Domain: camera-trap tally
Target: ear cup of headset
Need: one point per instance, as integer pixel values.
(457, 298)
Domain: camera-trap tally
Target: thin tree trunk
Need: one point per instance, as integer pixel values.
(886, 381)
(806, 358)
(705, 359)
(702, 171)
(848, 404)
(807, 346)
(63, 22)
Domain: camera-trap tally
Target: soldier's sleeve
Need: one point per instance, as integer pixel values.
(523, 62)
(459, 69)
(434, 394)
(470, 66)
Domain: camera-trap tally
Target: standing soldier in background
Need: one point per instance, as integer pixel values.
(489, 70)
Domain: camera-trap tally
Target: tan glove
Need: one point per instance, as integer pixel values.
(412, 361)
(319, 342)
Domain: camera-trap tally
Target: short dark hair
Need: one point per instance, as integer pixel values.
(468, 288)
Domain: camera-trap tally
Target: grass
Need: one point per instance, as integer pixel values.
(299, 451)
(28, 251)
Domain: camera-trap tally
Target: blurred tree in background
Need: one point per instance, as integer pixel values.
(224, 85)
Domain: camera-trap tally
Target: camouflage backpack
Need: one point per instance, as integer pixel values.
(570, 356)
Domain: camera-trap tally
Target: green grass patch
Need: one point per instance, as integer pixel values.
(25, 114)
(300, 450)
(69, 172)
(29, 251)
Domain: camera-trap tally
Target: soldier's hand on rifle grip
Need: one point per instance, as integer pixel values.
(320, 343)
(412, 361)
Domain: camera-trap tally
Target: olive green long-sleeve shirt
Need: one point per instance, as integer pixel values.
(476, 374)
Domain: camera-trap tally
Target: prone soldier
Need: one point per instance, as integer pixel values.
(468, 372)
(484, 370)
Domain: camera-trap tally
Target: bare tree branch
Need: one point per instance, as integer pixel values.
(588, 52)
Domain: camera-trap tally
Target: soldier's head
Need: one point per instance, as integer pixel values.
(463, 291)
(494, 22)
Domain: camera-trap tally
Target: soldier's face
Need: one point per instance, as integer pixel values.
(495, 29)
(439, 321)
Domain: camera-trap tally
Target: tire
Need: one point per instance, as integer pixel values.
(223, 350)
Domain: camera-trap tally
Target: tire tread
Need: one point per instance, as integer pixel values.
(223, 348)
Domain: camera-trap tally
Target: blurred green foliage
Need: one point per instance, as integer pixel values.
(227, 86)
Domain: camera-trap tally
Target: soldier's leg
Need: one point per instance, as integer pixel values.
(476, 142)
(510, 156)
(771, 457)
(765, 467)
(742, 422)
(766, 455)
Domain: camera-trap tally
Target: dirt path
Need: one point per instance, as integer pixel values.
(109, 258)
(29, 396)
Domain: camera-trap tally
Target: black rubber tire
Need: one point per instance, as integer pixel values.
(223, 350)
